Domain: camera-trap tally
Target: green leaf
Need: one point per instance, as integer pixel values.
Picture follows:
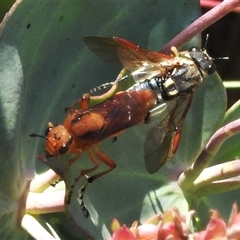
(230, 149)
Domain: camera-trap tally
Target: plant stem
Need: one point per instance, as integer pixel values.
(201, 24)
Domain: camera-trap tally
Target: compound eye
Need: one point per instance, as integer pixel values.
(63, 149)
(47, 131)
(211, 69)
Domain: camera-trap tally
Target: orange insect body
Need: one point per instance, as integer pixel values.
(84, 129)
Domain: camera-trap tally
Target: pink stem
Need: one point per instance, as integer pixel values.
(201, 23)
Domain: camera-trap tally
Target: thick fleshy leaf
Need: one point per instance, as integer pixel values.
(45, 67)
(228, 151)
(230, 148)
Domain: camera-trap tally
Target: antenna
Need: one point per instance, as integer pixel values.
(206, 42)
(205, 46)
(221, 58)
(36, 135)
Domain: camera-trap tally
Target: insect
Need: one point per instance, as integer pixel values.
(84, 129)
(161, 95)
(174, 78)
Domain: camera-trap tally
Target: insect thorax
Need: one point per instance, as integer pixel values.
(182, 80)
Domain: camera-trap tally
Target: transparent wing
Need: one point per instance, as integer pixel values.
(142, 63)
(158, 146)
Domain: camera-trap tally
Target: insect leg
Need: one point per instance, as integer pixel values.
(87, 100)
(83, 102)
(107, 160)
(104, 158)
(113, 85)
(68, 195)
(101, 87)
(55, 182)
(105, 96)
